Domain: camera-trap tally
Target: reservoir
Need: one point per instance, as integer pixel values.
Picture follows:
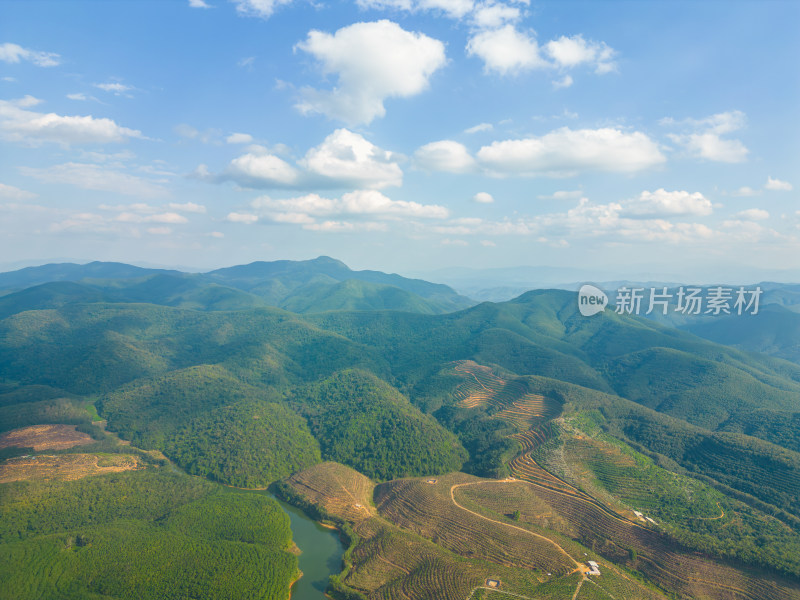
(321, 556)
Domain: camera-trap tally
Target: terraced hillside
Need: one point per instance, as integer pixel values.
(506, 399)
(444, 550)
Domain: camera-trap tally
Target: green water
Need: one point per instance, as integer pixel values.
(321, 556)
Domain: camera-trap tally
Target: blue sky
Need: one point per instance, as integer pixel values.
(403, 135)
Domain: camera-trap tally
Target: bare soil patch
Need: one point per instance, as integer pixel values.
(44, 437)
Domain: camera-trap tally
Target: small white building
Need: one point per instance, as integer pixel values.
(594, 568)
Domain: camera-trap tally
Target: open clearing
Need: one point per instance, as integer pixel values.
(65, 466)
(45, 437)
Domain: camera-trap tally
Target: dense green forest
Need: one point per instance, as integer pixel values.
(145, 534)
(362, 422)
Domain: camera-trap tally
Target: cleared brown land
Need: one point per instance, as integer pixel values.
(65, 466)
(44, 437)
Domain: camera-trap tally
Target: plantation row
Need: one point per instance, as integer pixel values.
(414, 505)
(655, 555)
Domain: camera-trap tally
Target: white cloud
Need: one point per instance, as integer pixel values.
(445, 155)
(171, 218)
(483, 198)
(712, 147)
(494, 15)
(746, 191)
(455, 9)
(565, 151)
(79, 96)
(14, 193)
(189, 207)
(259, 170)
(706, 141)
(96, 177)
(752, 214)
(343, 159)
(199, 4)
(239, 138)
(373, 62)
(480, 127)
(117, 89)
(217, 234)
(488, 243)
(237, 217)
(348, 158)
(33, 128)
(356, 203)
(345, 226)
(777, 185)
(13, 53)
(570, 52)
(506, 50)
(449, 242)
(564, 82)
(662, 203)
(258, 8)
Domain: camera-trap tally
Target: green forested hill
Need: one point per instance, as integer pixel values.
(362, 422)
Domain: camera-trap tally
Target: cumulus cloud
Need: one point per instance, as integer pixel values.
(17, 124)
(565, 152)
(14, 193)
(372, 62)
(706, 140)
(494, 15)
(96, 177)
(506, 50)
(777, 185)
(570, 52)
(372, 203)
(350, 159)
(343, 159)
(262, 170)
(662, 203)
(483, 198)
(445, 155)
(13, 53)
(198, 4)
(239, 138)
(258, 8)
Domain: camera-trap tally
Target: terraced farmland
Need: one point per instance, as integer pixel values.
(429, 510)
(508, 400)
(391, 563)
